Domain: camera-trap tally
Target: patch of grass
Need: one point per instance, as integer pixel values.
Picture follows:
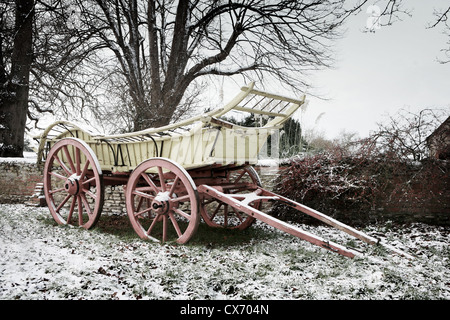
(221, 237)
(118, 225)
(47, 219)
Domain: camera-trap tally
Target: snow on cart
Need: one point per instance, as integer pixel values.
(177, 174)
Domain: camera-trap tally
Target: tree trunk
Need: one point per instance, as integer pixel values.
(14, 93)
(159, 112)
(164, 98)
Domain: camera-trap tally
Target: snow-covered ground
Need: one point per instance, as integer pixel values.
(40, 260)
(28, 157)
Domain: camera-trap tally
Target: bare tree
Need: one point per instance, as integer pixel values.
(42, 67)
(143, 61)
(64, 69)
(404, 135)
(163, 48)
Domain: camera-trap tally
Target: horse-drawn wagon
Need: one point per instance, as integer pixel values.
(176, 174)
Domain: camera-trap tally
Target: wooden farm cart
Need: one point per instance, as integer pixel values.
(177, 174)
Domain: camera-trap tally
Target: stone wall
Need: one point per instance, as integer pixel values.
(114, 200)
(18, 181)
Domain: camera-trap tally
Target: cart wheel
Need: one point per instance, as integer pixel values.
(219, 214)
(162, 201)
(73, 183)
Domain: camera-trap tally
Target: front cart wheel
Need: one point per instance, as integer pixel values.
(73, 183)
(162, 201)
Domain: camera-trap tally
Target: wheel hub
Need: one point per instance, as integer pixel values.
(160, 204)
(72, 185)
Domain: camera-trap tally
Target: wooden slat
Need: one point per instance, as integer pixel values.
(257, 111)
(274, 96)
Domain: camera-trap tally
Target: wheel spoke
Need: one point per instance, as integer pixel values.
(63, 202)
(85, 168)
(145, 189)
(140, 213)
(77, 161)
(88, 181)
(181, 199)
(182, 213)
(57, 190)
(152, 225)
(69, 159)
(237, 214)
(172, 189)
(217, 210)
(80, 211)
(141, 199)
(72, 207)
(86, 204)
(161, 179)
(57, 175)
(240, 176)
(164, 238)
(175, 224)
(142, 194)
(88, 192)
(225, 216)
(150, 182)
(62, 164)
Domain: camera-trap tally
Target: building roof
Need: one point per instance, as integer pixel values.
(443, 126)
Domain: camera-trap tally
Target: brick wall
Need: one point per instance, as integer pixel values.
(407, 193)
(426, 196)
(18, 181)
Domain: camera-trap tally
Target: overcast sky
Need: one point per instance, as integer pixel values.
(377, 73)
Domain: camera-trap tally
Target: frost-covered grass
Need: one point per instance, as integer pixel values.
(40, 260)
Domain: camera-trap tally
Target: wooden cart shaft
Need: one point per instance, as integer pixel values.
(242, 202)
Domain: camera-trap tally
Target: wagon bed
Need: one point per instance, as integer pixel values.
(196, 142)
(174, 176)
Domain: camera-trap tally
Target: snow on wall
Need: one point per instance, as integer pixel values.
(18, 178)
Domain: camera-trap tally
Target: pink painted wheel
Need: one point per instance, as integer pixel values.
(162, 201)
(219, 214)
(73, 183)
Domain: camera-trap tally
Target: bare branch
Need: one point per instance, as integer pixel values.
(443, 19)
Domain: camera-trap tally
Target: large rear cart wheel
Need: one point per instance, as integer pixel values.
(73, 183)
(219, 214)
(162, 201)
